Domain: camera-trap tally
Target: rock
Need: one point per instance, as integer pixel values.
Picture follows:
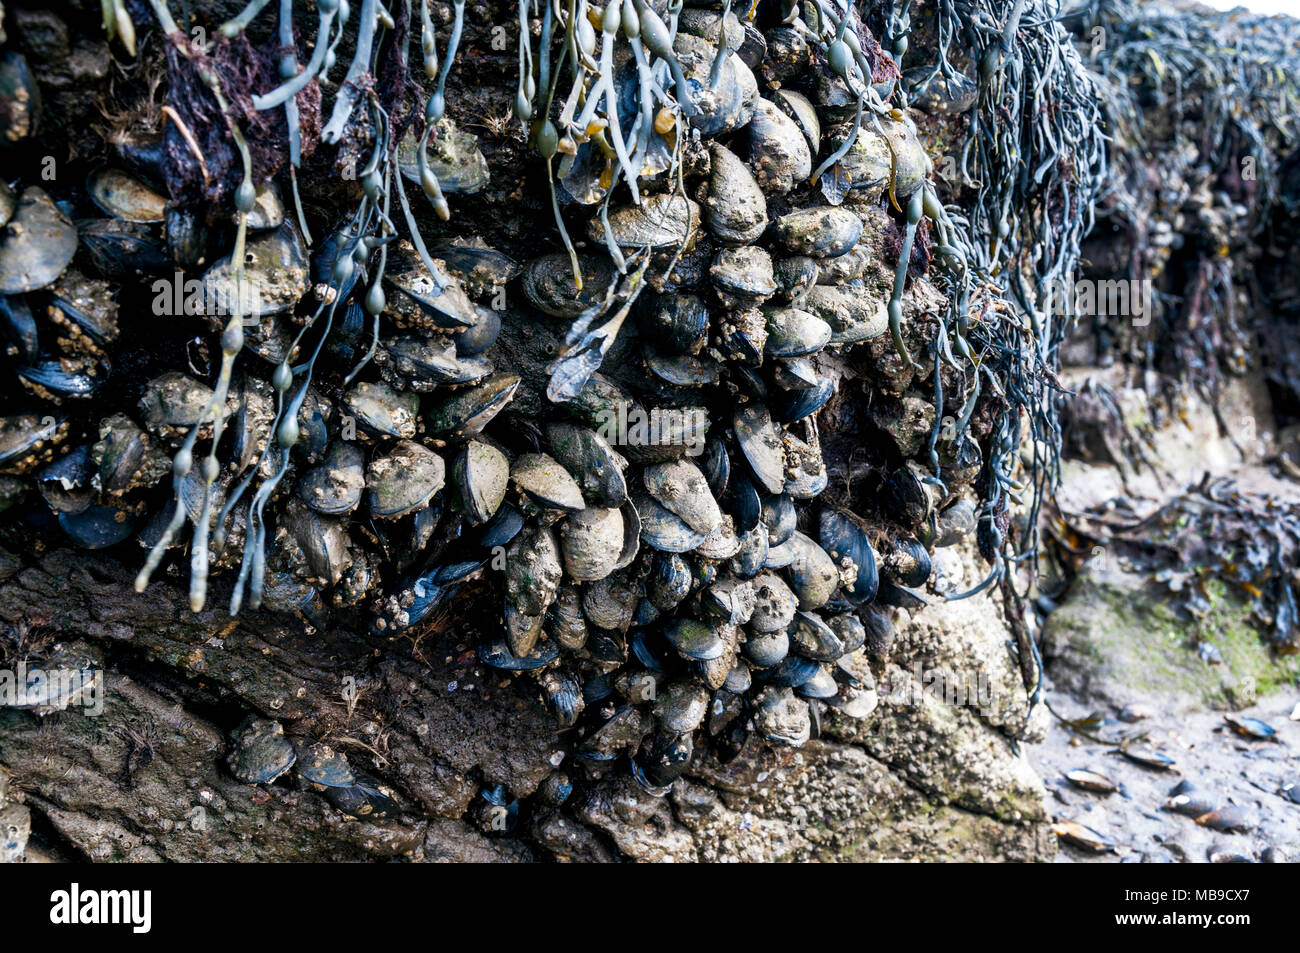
(1115, 640)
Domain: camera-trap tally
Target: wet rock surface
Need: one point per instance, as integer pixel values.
(911, 746)
(1129, 670)
(1228, 775)
(143, 781)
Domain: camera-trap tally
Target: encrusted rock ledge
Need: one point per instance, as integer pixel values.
(145, 779)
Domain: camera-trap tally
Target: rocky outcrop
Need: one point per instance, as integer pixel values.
(930, 774)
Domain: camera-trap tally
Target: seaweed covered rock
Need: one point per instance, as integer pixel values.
(577, 452)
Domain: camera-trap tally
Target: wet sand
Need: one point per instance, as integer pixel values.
(1226, 769)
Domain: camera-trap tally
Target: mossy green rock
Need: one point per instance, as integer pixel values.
(1118, 639)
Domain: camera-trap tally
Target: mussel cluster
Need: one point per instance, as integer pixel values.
(645, 526)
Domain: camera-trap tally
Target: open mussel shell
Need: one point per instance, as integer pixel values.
(67, 483)
(891, 593)
(1148, 757)
(501, 528)
(36, 244)
(1078, 835)
(125, 197)
(420, 363)
(498, 655)
(790, 406)
(1089, 780)
(466, 412)
(421, 301)
(1253, 728)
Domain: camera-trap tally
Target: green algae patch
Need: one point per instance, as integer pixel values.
(1118, 639)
